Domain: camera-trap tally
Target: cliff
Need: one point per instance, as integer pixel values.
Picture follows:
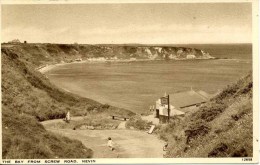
(54, 53)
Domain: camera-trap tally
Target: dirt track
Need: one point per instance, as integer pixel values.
(128, 143)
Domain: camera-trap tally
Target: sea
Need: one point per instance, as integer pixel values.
(137, 85)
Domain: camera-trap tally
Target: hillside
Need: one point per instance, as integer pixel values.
(27, 98)
(55, 53)
(222, 127)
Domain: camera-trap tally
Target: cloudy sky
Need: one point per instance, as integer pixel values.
(128, 23)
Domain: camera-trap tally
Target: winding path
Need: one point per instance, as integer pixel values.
(128, 143)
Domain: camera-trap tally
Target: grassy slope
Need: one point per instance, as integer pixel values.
(28, 97)
(221, 128)
(25, 138)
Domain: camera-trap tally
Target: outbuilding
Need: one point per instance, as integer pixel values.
(178, 102)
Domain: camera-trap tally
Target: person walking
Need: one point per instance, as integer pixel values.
(67, 119)
(165, 148)
(110, 144)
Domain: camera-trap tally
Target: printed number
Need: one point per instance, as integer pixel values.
(247, 159)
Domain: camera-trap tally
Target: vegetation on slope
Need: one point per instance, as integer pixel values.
(221, 128)
(27, 98)
(24, 137)
(95, 121)
(137, 122)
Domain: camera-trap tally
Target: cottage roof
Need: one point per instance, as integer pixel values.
(188, 98)
(205, 94)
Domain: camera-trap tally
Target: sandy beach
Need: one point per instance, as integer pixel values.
(48, 67)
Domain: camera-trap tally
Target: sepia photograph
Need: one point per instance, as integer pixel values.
(165, 82)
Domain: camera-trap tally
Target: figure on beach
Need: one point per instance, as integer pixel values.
(110, 144)
(151, 108)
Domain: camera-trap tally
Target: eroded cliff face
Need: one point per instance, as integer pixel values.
(141, 52)
(72, 52)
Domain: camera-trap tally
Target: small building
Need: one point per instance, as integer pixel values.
(15, 41)
(190, 56)
(132, 59)
(162, 113)
(78, 59)
(113, 58)
(178, 102)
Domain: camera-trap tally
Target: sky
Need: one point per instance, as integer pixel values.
(170, 23)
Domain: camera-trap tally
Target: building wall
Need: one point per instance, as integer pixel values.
(163, 119)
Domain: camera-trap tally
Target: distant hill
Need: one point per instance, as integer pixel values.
(222, 127)
(54, 53)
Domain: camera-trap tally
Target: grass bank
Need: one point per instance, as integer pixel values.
(24, 137)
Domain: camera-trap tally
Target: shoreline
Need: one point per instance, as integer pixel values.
(48, 67)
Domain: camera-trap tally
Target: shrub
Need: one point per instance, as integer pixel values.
(138, 123)
(211, 111)
(105, 106)
(98, 121)
(193, 133)
(219, 151)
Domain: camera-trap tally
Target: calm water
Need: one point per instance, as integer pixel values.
(137, 85)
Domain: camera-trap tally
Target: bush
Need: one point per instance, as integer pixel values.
(196, 131)
(211, 111)
(98, 121)
(138, 123)
(105, 106)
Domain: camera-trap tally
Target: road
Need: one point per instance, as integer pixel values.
(128, 143)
